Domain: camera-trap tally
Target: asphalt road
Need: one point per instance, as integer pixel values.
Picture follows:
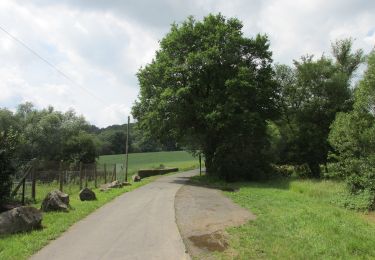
(137, 225)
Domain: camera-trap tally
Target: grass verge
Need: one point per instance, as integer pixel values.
(23, 245)
(298, 219)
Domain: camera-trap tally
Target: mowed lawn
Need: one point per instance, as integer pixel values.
(180, 159)
(23, 245)
(299, 219)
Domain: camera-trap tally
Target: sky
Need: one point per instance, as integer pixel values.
(98, 45)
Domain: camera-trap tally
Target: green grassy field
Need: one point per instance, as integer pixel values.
(180, 159)
(299, 219)
(21, 246)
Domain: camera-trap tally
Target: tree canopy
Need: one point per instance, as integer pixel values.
(312, 92)
(211, 89)
(352, 137)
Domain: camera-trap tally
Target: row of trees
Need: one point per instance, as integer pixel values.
(113, 140)
(52, 135)
(312, 92)
(218, 92)
(48, 134)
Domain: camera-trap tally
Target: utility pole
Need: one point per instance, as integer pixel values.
(127, 150)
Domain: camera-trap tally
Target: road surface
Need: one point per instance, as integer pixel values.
(137, 225)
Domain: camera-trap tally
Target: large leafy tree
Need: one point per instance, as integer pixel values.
(312, 93)
(352, 136)
(210, 88)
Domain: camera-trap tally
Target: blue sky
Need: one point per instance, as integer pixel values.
(101, 44)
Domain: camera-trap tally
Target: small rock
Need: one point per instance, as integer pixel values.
(111, 185)
(87, 194)
(136, 178)
(21, 219)
(55, 201)
(115, 184)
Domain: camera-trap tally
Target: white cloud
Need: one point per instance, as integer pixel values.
(114, 113)
(102, 44)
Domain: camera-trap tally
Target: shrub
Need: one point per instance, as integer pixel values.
(352, 137)
(7, 147)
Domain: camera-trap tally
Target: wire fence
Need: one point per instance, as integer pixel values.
(35, 179)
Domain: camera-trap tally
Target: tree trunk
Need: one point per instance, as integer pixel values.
(314, 170)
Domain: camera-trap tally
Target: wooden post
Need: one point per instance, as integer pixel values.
(33, 181)
(105, 173)
(23, 191)
(127, 150)
(200, 165)
(114, 173)
(61, 179)
(95, 176)
(86, 181)
(80, 175)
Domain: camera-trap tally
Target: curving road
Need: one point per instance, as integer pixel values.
(137, 225)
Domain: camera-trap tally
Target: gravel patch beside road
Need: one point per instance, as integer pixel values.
(202, 214)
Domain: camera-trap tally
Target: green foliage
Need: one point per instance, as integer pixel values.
(211, 89)
(113, 140)
(312, 93)
(49, 135)
(81, 148)
(298, 219)
(55, 223)
(8, 141)
(180, 159)
(352, 136)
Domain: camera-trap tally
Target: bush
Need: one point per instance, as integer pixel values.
(352, 137)
(7, 147)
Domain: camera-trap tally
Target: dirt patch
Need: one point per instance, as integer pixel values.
(202, 214)
(211, 242)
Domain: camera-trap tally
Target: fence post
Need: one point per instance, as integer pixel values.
(200, 165)
(80, 175)
(105, 173)
(127, 150)
(114, 173)
(61, 179)
(95, 176)
(23, 191)
(33, 181)
(86, 181)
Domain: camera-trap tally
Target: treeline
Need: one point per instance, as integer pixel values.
(219, 93)
(312, 92)
(113, 140)
(50, 135)
(53, 135)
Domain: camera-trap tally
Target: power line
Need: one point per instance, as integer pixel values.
(51, 65)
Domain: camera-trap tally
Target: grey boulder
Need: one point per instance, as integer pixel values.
(87, 194)
(136, 178)
(21, 219)
(55, 201)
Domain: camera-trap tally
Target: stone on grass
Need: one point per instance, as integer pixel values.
(55, 201)
(87, 194)
(20, 219)
(111, 185)
(136, 178)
